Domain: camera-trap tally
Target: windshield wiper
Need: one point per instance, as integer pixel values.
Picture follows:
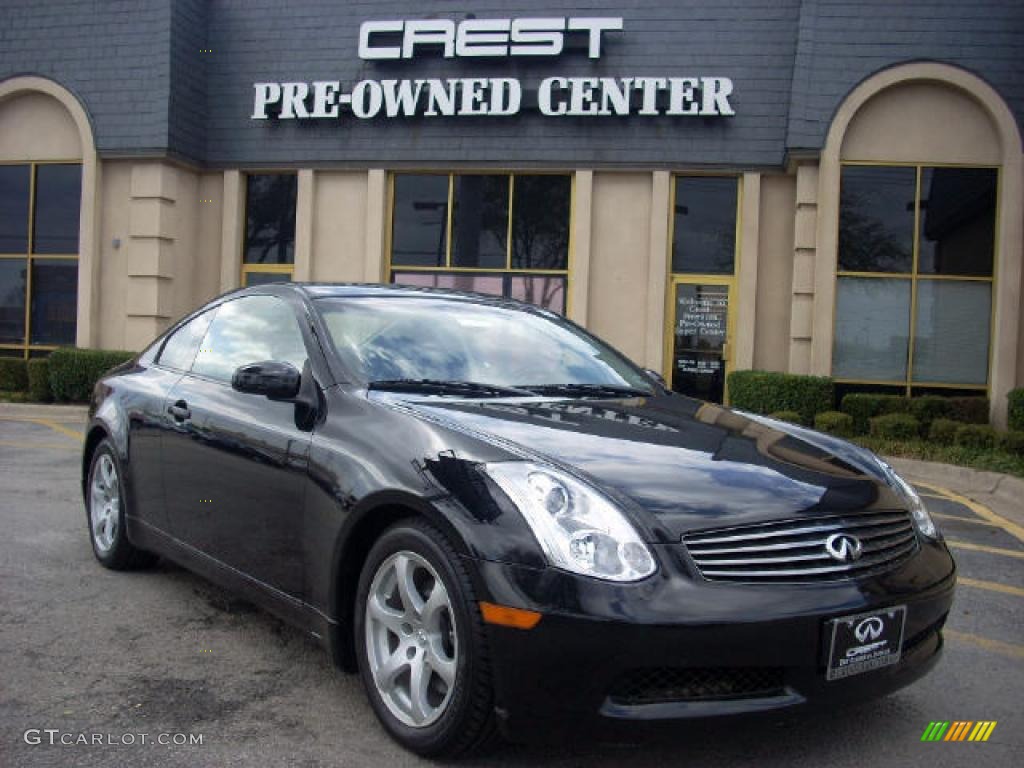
(449, 386)
(587, 390)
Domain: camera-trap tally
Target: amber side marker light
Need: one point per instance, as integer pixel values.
(509, 617)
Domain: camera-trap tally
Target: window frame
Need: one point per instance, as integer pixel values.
(245, 268)
(915, 277)
(508, 270)
(672, 278)
(26, 347)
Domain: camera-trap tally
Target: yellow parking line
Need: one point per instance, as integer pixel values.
(962, 519)
(49, 423)
(983, 548)
(980, 510)
(986, 643)
(992, 586)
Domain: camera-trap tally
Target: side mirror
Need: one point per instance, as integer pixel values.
(656, 376)
(272, 379)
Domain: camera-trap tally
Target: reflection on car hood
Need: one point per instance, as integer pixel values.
(692, 464)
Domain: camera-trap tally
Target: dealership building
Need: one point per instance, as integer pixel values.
(817, 187)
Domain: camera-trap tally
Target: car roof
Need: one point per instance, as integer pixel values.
(351, 290)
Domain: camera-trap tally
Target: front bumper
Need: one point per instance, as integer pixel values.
(619, 660)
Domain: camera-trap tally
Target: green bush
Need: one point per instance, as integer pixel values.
(791, 416)
(835, 423)
(943, 431)
(969, 410)
(1016, 398)
(895, 426)
(769, 392)
(864, 406)
(13, 375)
(74, 372)
(976, 436)
(1011, 442)
(927, 408)
(39, 380)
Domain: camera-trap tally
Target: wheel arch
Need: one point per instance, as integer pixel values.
(361, 531)
(96, 434)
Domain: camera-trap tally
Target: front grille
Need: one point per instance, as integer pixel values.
(655, 685)
(794, 550)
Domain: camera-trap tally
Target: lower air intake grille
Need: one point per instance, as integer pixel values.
(657, 685)
(799, 550)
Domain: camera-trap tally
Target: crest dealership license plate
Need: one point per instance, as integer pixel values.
(866, 641)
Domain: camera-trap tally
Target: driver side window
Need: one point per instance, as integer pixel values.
(249, 330)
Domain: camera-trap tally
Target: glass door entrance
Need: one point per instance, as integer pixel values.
(700, 337)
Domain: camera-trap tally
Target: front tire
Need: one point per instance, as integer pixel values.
(104, 511)
(420, 644)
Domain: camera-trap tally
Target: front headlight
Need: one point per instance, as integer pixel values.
(922, 519)
(577, 527)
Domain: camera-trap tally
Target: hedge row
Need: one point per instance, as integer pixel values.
(768, 392)
(13, 375)
(74, 372)
(1016, 409)
(865, 406)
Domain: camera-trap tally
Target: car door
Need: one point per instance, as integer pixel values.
(234, 463)
(145, 406)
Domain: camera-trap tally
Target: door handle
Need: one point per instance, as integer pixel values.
(179, 411)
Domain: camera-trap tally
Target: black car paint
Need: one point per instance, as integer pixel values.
(213, 493)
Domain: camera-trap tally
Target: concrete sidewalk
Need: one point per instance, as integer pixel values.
(61, 413)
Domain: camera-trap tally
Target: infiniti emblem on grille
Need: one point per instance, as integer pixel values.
(843, 547)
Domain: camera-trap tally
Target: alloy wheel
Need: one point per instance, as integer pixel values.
(104, 504)
(411, 639)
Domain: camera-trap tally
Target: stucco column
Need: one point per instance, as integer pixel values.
(579, 275)
(153, 229)
(302, 270)
(657, 270)
(232, 230)
(87, 330)
(746, 280)
(376, 225)
(810, 288)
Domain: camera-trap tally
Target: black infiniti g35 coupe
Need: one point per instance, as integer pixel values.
(504, 525)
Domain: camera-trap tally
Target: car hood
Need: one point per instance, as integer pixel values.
(691, 465)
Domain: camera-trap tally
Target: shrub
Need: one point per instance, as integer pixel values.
(976, 436)
(39, 380)
(927, 408)
(969, 410)
(769, 392)
(74, 372)
(864, 406)
(835, 423)
(943, 431)
(13, 375)
(791, 416)
(1016, 402)
(1011, 442)
(895, 426)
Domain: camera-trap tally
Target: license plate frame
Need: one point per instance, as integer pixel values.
(867, 641)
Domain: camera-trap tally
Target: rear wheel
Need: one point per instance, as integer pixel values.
(421, 646)
(105, 505)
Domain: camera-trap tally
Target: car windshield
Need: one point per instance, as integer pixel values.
(436, 339)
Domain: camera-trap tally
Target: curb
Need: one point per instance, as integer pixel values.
(44, 411)
(1005, 488)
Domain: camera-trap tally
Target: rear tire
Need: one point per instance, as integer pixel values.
(104, 513)
(421, 646)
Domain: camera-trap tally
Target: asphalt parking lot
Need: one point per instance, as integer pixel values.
(87, 651)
